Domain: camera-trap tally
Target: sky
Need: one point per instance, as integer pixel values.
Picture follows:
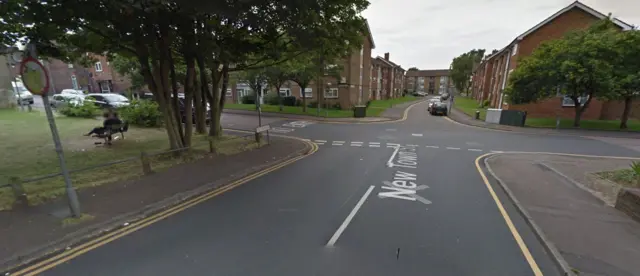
(428, 34)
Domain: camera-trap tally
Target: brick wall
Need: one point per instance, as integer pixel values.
(550, 108)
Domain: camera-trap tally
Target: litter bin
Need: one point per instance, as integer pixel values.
(360, 111)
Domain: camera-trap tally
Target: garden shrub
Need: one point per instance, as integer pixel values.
(249, 99)
(144, 113)
(272, 99)
(84, 110)
(313, 104)
(289, 101)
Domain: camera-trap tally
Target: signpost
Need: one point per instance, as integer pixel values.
(36, 79)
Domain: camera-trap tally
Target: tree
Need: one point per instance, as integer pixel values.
(303, 71)
(578, 67)
(257, 81)
(129, 67)
(413, 69)
(462, 67)
(626, 71)
(276, 77)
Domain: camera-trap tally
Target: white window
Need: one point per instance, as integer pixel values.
(243, 92)
(98, 66)
(331, 93)
(229, 93)
(567, 101)
(308, 93)
(515, 49)
(74, 82)
(285, 92)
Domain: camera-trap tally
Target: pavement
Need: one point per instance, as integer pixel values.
(463, 118)
(593, 237)
(30, 233)
(390, 198)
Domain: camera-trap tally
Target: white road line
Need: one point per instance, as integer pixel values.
(374, 143)
(474, 149)
(390, 161)
(374, 146)
(497, 151)
(306, 140)
(320, 141)
(412, 146)
(319, 144)
(416, 134)
(356, 142)
(339, 142)
(450, 148)
(346, 221)
(393, 144)
(433, 147)
(356, 145)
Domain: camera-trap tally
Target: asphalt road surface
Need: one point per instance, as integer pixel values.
(399, 198)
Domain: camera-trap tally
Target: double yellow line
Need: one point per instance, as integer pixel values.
(49, 263)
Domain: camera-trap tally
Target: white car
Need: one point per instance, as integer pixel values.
(21, 94)
(72, 91)
(61, 100)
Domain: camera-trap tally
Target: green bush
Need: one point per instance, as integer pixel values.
(289, 101)
(272, 99)
(249, 99)
(84, 110)
(143, 113)
(298, 102)
(313, 104)
(485, 103)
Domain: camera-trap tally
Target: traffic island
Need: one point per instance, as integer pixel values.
(30, 234)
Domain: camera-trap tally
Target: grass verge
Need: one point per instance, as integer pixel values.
(376, 108)
(624, 177)
(28, 152)
(73, 221)
(469, 107)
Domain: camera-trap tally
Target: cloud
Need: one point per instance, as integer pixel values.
(429, 34)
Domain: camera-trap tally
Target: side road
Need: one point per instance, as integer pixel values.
(460, 117)
(586, 234)
(391, 114)
(26, 235)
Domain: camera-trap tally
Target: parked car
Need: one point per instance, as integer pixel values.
(107, 100)
(444, 96)
(419, 94)
(181, 106)
(21, 94)
(61, 100)
(72, 91)
(439, 108)
(431, 103)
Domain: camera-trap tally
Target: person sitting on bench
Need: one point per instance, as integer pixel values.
(111, 119)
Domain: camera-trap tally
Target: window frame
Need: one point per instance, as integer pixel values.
(287, 92)
(329, 91)
(307, 91)
(98, 66)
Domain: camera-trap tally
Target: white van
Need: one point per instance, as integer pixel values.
(21, 94)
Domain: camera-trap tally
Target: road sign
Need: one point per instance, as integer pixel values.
(34, 76)
(263, 128)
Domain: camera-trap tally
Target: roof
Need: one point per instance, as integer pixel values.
(381, 60)
(428, 73)
(369, 35)
(585, 8)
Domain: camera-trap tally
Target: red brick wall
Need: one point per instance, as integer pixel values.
(550, 108)
(612, 110)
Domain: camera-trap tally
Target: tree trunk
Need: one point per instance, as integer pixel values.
(200, 107)
(201, 124)
(278, 95)
(188, 99)
(625, 112)
(214, 100)
(304, 99)
(175, 99)
(216, 126)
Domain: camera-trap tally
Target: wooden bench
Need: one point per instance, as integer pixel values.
(111, 130)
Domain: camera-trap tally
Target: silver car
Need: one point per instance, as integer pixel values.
(61, 100)
(22, 95)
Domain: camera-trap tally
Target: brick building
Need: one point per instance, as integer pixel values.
(105, 79)
(389, 78)
(428, 81)
(491, 76)
(353, 87)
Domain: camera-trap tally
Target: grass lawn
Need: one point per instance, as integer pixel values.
(633, 125)
(375, 108)
(624, 177)
(469, 107)
(28, 152)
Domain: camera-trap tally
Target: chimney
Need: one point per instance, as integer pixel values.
(386, 56)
